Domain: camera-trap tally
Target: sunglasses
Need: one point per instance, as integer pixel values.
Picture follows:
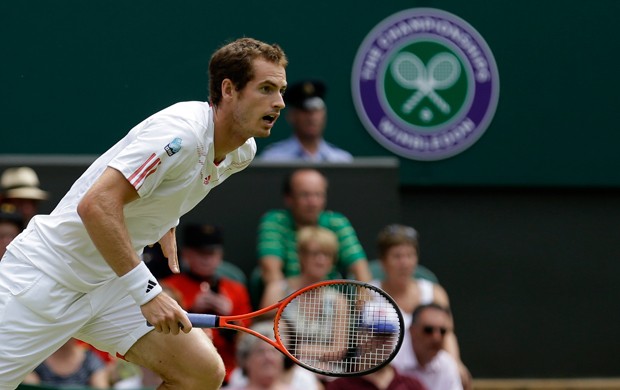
(429, 330)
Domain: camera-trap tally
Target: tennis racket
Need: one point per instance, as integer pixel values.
(334, 328)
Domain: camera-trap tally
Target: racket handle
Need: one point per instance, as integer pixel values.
(204, 320)
(201, 320)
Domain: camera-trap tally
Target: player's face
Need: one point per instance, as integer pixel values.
(259, 103)
(400, 261)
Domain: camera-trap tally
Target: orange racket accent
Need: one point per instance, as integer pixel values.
(336, 327)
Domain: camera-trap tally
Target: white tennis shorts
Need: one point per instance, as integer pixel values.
(38, 315)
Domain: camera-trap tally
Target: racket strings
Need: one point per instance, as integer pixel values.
(340, 328)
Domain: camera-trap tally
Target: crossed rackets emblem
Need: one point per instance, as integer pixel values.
(442, 72)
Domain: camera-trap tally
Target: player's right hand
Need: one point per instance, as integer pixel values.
(166, 315)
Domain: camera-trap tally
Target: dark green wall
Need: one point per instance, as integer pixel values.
(531, 275)
(76, 75)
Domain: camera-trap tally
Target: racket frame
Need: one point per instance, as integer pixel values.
(215, 321)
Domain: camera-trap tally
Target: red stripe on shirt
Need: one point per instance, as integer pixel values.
(137, 171)
(146, 173)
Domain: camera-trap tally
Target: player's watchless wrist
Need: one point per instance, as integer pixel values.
(141, 284)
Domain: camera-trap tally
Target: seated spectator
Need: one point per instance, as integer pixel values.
(398, 248)
(433, 366)
(307, 115)
(386, 378)
(262, 367)
(20, 187)
(202, 290)
(11, 224)
(305, 196)
(317, 249)
(73, 364)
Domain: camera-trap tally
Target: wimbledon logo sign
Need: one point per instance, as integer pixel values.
(425, 84)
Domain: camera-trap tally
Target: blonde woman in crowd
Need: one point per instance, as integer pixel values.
(317, 249)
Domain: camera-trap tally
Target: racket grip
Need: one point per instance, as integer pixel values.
(204, 320)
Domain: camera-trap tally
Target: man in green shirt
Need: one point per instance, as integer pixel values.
(305, 195)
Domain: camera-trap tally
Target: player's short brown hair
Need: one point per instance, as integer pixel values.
(234, 61)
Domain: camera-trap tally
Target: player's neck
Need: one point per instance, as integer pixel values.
(225, 138)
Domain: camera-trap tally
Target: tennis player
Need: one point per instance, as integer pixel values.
(77, 272)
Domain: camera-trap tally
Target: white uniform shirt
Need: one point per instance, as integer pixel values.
(168, 158)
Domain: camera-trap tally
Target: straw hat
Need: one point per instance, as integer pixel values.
(22, 183)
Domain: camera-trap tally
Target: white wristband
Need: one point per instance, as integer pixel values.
(141, 284)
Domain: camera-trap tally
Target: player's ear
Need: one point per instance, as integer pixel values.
(227, 88)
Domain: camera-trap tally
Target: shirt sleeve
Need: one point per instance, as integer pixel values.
(163, 146)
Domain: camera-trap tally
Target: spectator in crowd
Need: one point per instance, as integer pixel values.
(317, 249)
(11, 224)
(20, 187)
(262, 367)
(307, 115)
(398, 248)
(433, 366)
(202, 290)
(74, 365)
(387, 378)
(305, 197)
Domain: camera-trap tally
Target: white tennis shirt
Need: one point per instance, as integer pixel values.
(168, 158)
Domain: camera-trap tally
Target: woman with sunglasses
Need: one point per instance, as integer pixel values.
(398, 249)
